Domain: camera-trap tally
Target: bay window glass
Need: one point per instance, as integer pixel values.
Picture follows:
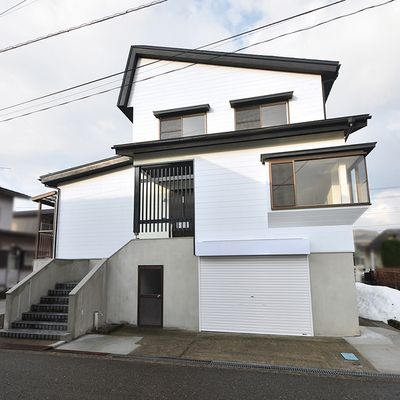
(319, 182)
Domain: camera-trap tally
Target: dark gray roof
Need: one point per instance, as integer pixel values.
(53, 179)
(11, 193)
(388, 233)
(327, 69)
(344, 124)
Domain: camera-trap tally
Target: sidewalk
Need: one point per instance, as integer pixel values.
(377, 350)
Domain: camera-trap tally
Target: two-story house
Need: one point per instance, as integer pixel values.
(232, 208)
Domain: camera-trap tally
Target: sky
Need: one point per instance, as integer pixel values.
(366, 44)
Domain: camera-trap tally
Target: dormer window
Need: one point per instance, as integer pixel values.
(263, 111)
(182, 122)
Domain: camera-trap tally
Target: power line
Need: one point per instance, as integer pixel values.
(4, 12)
(97, 21)
(20, 8)
(317, 25)
(190, 65)
(230, 38)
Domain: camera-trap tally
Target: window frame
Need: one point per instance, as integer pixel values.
(260, 106)
(180, 113)
(293, 160)
(181, 117)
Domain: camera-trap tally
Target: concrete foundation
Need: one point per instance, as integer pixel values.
(180, 291)
(333, 294)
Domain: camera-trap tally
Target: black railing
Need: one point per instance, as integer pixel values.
(164, 199)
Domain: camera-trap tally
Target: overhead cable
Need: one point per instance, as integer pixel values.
(74, 28)
(234, 37)
(187, 66)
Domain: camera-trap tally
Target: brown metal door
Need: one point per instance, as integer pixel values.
(150, 309)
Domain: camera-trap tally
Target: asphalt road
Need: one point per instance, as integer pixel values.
(34, 375)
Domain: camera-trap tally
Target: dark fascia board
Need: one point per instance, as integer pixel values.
(32, 213)
(253, 101)
(327, 69)
(361, 148)
(245, 136)
(202, 108)
(12, 193)
(55, 178)
(16, 234)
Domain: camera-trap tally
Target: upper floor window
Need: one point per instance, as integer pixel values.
(182, 122)
(261, 116)
(263, 111)
(325, 180)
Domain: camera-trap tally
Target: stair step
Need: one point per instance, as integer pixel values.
(66, 285)
(44, 316)
(36, 334)
(58, 292)
(58, 308)
(49, 326)
(54, 300)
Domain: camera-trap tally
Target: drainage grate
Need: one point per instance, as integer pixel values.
(318, 371)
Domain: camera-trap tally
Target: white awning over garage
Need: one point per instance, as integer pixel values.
(256, 294)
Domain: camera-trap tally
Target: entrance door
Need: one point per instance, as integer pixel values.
(150, 310)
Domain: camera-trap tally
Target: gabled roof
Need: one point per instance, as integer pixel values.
(327, 69)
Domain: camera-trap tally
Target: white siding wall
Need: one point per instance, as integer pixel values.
(215, 85)
(96, 215)
(232, 199)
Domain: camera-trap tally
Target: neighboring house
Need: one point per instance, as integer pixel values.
(17, 245)
(232, 208)
(362, 260)
(373, 250)
(27, 221)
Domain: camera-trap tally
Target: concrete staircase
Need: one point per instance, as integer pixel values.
(47, 319)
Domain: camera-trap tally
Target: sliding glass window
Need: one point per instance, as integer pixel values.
(319, 182)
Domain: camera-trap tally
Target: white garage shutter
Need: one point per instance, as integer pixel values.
(257, 294)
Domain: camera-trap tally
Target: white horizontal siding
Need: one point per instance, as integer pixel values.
(95, 215)
(215, 85)
(232, 197)
(255, 295)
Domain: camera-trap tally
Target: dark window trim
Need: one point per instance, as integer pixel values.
(354, 149)
(260, 100)
(178, 112)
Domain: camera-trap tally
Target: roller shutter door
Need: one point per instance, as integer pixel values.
(257, 294)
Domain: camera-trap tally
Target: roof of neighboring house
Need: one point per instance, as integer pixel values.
(32, 213)
(12, 193)
(327, 69)
(386, 234)
(53, 179)
(345, 124)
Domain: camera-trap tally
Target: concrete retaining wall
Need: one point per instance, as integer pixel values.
(27, 292)
(180, 297)
(333, 294)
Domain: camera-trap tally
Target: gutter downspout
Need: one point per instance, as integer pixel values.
(55, 223)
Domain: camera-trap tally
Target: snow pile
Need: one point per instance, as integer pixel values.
(378, 303)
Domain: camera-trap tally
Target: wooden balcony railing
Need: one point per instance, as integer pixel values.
(45, 244)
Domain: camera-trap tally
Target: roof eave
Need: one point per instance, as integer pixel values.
(327, 69)
(248, 135)
(54, 179)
